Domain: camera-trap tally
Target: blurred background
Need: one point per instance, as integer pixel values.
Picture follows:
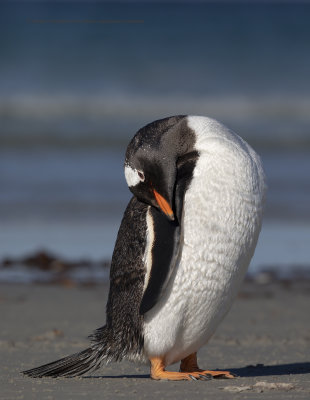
(78, 79)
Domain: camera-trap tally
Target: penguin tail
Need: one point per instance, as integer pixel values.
(76, 364)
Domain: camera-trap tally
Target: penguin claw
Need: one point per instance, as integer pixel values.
(205, 377)
(192, 377)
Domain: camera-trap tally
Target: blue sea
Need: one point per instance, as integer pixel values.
(78, 79)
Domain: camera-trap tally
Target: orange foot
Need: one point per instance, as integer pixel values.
(158, 372)
(189, 370)
(189, 364)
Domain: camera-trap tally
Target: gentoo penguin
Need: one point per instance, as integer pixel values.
(182, 250)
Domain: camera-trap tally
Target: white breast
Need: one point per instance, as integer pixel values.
(221, 223)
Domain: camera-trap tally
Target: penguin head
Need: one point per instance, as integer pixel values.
(151, 162)
(151, 182)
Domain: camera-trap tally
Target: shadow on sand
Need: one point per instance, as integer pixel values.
(248, 371)
(267, 370)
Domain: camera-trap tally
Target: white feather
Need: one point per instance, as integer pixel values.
(149, 245)
(221, 222)
(132, 176)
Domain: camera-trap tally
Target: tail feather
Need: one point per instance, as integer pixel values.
(74, 365)
(106, 345)
(78, 363)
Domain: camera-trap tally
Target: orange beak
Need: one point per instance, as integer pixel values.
(164, 205)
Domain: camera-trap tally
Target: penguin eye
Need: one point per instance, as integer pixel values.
(141, 176)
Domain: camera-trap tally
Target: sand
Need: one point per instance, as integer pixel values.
(265, 339)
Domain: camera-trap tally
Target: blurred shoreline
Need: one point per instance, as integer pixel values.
(43, 267)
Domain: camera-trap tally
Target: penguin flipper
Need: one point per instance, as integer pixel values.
(164, 255)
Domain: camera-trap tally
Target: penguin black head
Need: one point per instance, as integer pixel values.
(152, 158)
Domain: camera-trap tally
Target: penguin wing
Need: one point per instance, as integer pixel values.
(160, 257)
(143, 260)
(127, 271)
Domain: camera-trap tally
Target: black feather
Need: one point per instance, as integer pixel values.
(73, 365)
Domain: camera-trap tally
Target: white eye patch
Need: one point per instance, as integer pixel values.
(133, 176)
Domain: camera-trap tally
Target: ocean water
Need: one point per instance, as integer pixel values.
(77, 80)
(79, 73)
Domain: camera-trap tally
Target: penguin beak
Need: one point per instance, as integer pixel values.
(164, 205)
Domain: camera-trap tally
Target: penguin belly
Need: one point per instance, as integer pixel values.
(221, 223)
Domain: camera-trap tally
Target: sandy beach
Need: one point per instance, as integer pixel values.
(264, 340)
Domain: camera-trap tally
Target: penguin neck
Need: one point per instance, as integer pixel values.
(185, 169)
